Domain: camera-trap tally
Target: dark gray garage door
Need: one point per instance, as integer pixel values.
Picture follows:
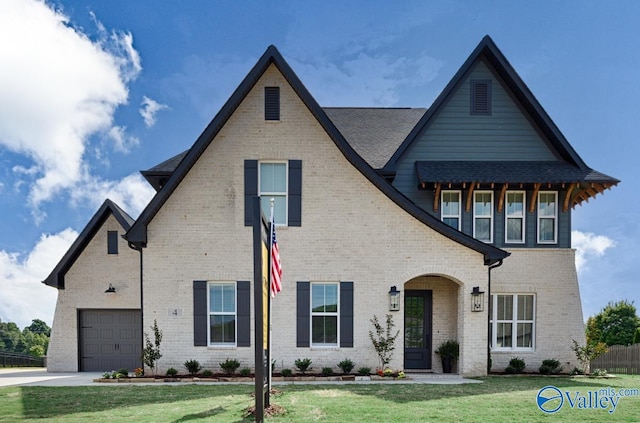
(109, 340)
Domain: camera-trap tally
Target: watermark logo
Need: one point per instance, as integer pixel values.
(551, 399)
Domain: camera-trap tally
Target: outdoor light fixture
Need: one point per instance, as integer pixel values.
(394, 299)
(110, 290)
(477, 299)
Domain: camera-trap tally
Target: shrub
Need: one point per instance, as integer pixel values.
(192, 366)
(245, 372)
(599, 373)
(287, 372)
(346, 366)
(124, 372)
(516, 365)
(207, 373)
(171, 372)
(106, 375)
(230, 365)
(303, 365)
(327, 371)
(576, 371)
(550, 367)
(383, 340)
(364, 371)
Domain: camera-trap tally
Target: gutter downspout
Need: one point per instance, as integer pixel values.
(493, 266)
(138, 248)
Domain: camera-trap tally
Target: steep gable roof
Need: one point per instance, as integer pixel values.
(137, 235)
(487, 50)
(108, 208)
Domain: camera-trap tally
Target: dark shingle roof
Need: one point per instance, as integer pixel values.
(507, 172)
(375, 133)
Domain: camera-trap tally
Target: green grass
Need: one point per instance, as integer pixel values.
(497, 399)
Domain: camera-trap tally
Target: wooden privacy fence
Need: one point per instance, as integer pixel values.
(20, 360)
(619, 359)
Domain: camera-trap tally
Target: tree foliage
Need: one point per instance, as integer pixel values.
(151, 352)
(383, 340)
(616, 324)
(32, 340)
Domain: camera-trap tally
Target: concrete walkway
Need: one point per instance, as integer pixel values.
(40, 377)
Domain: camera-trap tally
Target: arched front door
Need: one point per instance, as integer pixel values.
(417, 329)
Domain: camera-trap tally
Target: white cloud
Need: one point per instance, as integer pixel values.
(58, 88)
(149, 109)
(132, 193)
(588, 247)
(23, 297)
(121, 141)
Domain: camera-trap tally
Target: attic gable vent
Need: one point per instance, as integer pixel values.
(271, 103)
(481, 97)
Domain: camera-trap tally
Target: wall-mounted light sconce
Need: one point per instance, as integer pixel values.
(477, 299)
(394, 299)
(111, 289)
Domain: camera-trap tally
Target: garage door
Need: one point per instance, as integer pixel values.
(110, 340)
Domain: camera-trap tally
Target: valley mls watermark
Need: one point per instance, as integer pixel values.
(551, 399)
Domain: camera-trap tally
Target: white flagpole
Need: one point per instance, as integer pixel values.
(272, 222)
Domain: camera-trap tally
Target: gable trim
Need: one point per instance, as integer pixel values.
(108, 208)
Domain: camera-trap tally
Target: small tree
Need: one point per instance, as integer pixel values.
(588, 353)
(151, 353)
(383, 341)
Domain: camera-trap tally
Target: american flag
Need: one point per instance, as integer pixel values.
(276, 269)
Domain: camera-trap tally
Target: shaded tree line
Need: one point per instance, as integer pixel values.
(32, 340)
(617, 324)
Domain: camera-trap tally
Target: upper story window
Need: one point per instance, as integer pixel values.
(222, 314)
(451, 208)
(324, 314)
(112, 242)
(480, 97)
(483, 215)
(273, 184)
(512, 321)
(271, 103)
(514, 216)
(547, 217)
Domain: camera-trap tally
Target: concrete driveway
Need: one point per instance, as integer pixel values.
(37, 376)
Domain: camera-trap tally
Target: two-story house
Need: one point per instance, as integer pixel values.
(464, 208)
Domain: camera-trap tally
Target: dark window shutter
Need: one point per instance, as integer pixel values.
(272, 103)
(200, 313)
(346, 314)
(303, 314)
(243, 313)
(295, 193)
(250, 189)
(112, 242)
(481, 97)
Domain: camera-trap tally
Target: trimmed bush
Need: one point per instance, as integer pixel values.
(550, 367)
(364, 371)
(303, 365)
(171, 372)
(287, 372)
(230, 365)
(346, 366)
(192, 366)
(207, 373)
(516, 365)
(327, 371)
(245, 372)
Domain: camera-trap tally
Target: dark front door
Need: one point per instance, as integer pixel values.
(110, 340)
(417, 329)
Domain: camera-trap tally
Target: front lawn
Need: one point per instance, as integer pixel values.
(497, 399)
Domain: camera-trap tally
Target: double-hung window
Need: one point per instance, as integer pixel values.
(513, 321)
(222, 313)
(514, 220)
(451, 208)
(483, 215)
(273, 184)
(547, 217)
(324, 314)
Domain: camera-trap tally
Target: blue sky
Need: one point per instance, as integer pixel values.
(94, 91)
